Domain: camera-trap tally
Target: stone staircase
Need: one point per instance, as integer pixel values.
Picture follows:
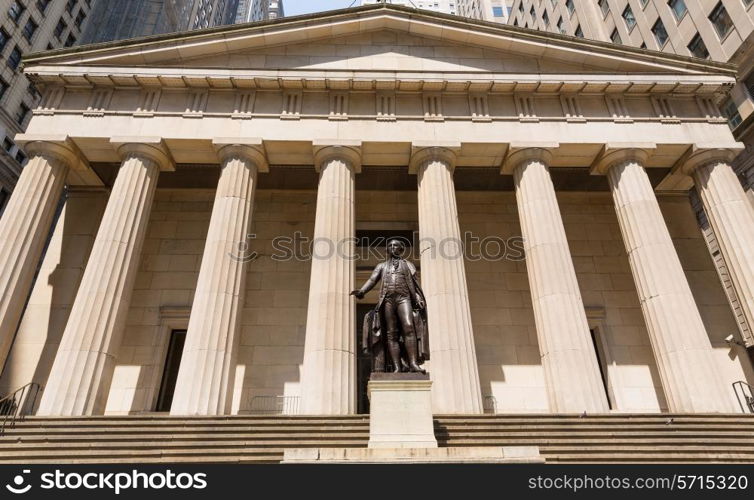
(262, 439)
(609, 438)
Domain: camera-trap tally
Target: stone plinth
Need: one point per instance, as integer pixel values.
(400, 411)
(457, 455)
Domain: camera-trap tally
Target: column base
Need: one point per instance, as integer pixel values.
(453, 455)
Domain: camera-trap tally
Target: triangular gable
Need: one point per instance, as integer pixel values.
(387, 37)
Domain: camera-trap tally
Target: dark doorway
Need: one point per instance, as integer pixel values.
(363, 362)
(596, 343)
(170, 373)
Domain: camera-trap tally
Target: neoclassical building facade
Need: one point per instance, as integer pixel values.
(224, 190)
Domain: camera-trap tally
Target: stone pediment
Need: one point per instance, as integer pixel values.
(383, 50)
(377, 38)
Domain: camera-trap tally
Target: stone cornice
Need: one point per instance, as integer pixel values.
(316, 79)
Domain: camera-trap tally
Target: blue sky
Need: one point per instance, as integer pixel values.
(296, 7)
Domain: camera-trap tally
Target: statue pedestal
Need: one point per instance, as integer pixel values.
(400, 411)
(401, 431)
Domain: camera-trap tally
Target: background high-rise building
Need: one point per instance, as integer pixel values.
(29, 26)
(118, 19)
(489, 10)
(721, 30)
(259, 10)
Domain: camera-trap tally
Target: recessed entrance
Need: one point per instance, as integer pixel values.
(170, 372)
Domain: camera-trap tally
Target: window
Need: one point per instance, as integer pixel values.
(42, 5)
(697, 47)
(14, 59)
(560, 26)
(20, 156)
(7, 144)
(60, 28)
(749, 83)
(3, 200)
(570, 6)
(721, 20)
(23, 111)
(643, 45)
(70, 6)
(628, 17)
(578, 32)
(3, 87)
(678, 7)
(545, 18)
(70, 40)
(29, 29)
(80, 18)
(604, 7)
(4, 37)
(16, 10)
(533, 13)
(644, 3)
(660, 34)
(497, 11)
(615, 36)
(730, 111)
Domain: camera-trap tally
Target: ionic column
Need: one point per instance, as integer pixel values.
(328, 384)
(24, 227)
(572, 373)
(82, 370)
(680, 343)
(732, 218)
(206, 374)
(453, 365)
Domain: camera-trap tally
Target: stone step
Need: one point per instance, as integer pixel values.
(173, 430)
(85, 447)
(40, 434)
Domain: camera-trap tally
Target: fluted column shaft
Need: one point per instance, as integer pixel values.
(83, 368)
(680, 343)
(24, 227)
(732, 218)
(205, 377)
(572, 374)
(453, 365)
(328, 385)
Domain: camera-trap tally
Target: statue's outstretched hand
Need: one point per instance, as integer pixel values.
(358, 293)
(420, 304)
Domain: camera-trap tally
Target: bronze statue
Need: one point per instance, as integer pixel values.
(398, 324)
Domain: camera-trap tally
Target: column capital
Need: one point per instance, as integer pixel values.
(423, 153)
(346, 151)
(153, 148)
(57, 147)
(619, 152)
(519, 153)
(701, 155)
(251, 149)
